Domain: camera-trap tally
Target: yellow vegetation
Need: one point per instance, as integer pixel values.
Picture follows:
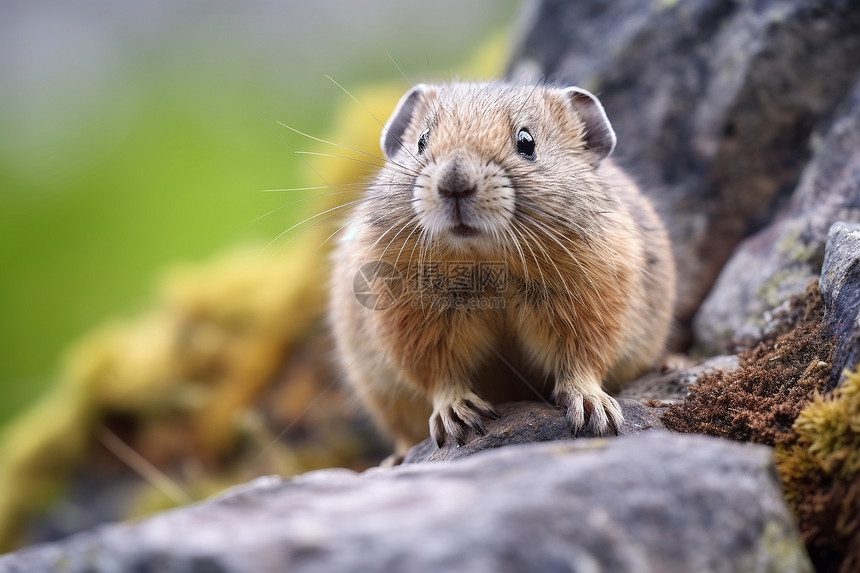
(820, 471)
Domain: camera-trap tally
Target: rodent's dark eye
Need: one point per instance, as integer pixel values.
(423, 140)
(525, 144)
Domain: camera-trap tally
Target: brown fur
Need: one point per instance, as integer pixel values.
(590, 278)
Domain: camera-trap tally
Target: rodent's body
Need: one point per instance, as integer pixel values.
(532, 266)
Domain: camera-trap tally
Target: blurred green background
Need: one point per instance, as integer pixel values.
(136, 135)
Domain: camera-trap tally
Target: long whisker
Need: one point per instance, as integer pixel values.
(345, 225)
(419, 269)
(554, 236)
(311, 198)
(143, 467)
(387, 167)
(373, 116)
(302, 222)
(321, 221)
(518, 375)
(398, 221)
(408, 222)
(308, 228)
(390, 57)
(338, 230)
(523, 259)
(394, 238)
(546, 255)
(303, 200)
(537, 263)
(531, 93)
(346, 147)
(538, 211)
(371, 223)
(412, 252)
(293, 149)
(406, 242)
(549, 258)
(316, 188)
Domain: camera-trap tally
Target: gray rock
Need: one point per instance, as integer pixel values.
(777, 263)
(840, 289)
(527, 422)
(663, 389)
(655, 502)
(713, 102)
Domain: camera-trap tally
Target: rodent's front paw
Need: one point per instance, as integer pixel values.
(602, 410)
(454, 415)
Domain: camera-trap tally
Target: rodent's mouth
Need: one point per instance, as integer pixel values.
(463, 230)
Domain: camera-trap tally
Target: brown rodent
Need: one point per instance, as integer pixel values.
(499, 255)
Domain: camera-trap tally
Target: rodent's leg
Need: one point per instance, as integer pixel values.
(397, 409)
(437, 353)
(579, 368)
(456, 409)
(446, 349)
(581, 395)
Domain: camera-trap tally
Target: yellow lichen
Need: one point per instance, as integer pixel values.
(820, 472)
(828, 431)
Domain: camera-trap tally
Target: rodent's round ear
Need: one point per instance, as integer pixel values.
(599, 135)
(392, 134)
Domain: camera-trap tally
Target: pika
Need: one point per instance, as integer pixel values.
(498, 255)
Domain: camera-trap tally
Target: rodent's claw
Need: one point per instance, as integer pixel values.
(437, 430)
(483, 408)
(453, 417)
(602, 410)
(448, 423)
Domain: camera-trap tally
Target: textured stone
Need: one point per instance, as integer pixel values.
(661, 389)
(840, 289)
(527, 422)
(654, 502)
(777, 263)
(713, 103)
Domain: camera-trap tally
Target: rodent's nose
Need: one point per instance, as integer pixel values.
(454, 182)
(456, 192)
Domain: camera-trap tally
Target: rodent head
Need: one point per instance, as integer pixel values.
(482, 155)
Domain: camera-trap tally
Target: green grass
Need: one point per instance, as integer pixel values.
(87, 222)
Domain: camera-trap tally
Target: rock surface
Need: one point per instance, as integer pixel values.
(653, 502)
(776, 264)
(713, 103)
(840, 289)
(660, 389)
(528, 422)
